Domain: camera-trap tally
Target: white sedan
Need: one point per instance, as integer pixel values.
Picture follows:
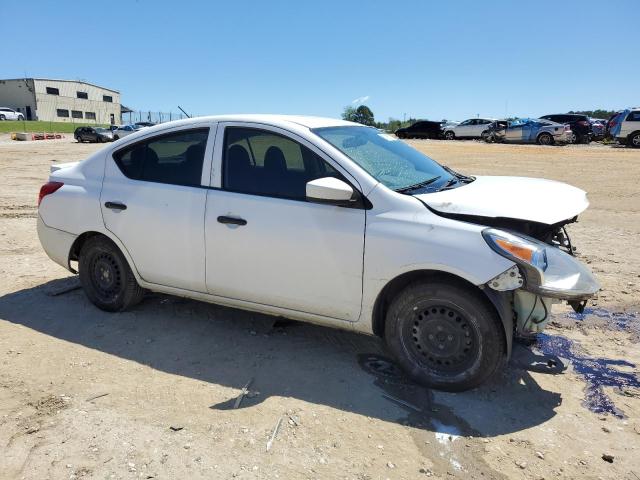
(10, 114)
(125, 130)
(471, 128)
(324, 221)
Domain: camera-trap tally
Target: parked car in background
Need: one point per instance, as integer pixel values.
(579, 124)
(10, 114)
(625, 127)
(471, 128)
(271, 213)
(529, 130)
(93, 134)
(124, 130)
(599, 129)
(421, 129)
(144, 124)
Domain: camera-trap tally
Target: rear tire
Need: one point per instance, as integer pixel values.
(545, 139)
(106, 277)
(2, 117)
(445, 335)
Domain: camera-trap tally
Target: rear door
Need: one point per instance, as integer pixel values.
(265, 242)
(153, 199)
(630, 124)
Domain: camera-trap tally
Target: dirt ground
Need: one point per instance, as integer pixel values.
(151, 393)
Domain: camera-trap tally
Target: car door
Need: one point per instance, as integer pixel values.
(153, 200)
(89, 134)
(463, 129)
(513, 132)
(265, 242)
(630, 124)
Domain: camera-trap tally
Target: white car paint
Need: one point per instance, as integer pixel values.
(125, 130)
(504, 197)
(307, 261)
(10, 114)
(470, 128)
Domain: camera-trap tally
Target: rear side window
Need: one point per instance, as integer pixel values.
(260, 162)
(633, 117)
(174, 158)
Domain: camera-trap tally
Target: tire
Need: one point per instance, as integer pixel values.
(449, 135)
(106, 277)
(20, 118)
(484, 135)
(634, 140)
(79, 139)
(574, 138)
(116, 137)
(444, 335)
(2, 118)
(545, 139)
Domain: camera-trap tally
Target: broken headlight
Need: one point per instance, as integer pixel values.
(548, 271)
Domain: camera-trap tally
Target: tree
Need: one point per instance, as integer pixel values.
(362, 114)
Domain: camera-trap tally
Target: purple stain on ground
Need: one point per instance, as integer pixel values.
(621, 320)
(597, 372)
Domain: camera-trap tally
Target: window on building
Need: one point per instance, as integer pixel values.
(62, 112)
(76, 114)
(107, 98)
(53, 91)
(175, 158)
(84, 95)
(264, 163)
(90, 115)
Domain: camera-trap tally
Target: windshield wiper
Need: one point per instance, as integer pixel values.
(418, 185)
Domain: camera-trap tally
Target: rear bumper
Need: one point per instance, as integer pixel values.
(56, 243)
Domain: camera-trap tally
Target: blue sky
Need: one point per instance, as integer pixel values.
(426, 59)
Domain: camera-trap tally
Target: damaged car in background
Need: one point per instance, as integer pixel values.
(324, 221)
(529, 130)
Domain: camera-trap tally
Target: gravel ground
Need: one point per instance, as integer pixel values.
(151, 393)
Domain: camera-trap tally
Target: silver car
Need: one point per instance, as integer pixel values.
(10, 114)
(529, 130)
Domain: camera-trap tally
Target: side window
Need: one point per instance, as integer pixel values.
(633, 117)
(259, 162)
(174, 158)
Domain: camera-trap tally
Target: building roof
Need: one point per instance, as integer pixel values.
(61, 80)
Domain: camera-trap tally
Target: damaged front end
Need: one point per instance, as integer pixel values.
(544, 273)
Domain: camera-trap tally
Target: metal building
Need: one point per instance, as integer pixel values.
(61, 100)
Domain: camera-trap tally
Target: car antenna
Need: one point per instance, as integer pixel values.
(188, 116)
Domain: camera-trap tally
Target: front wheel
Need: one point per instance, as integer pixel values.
(106, 277)
(445, 335)
(449, 135)
(634, 141)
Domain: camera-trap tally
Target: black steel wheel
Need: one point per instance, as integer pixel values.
(106, 276)
(445, 335)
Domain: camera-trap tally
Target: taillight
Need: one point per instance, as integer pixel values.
(47, 189)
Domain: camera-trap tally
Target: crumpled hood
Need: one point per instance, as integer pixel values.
(532, 199)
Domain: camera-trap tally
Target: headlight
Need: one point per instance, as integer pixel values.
(548, 271)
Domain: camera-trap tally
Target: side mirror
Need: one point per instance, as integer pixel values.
(330, 190)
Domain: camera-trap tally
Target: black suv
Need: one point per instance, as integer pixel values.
(421, 129)
(580, 125)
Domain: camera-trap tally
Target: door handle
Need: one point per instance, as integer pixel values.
(115, 205)
(232, 220)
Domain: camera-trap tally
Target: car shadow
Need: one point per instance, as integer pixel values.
(225, 346)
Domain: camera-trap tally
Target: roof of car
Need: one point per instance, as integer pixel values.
(282, 120)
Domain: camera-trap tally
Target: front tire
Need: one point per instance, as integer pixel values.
(449, 135)
(634, 140)
(444, 335)
(106, 277)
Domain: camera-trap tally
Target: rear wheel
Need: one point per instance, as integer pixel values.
(106, 276)
(449, 135)
(444, 335)
(545, 139)
(2, 117)
(484, 135)
(634, 140)
(116, 137)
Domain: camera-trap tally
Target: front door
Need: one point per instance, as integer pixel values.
(153, 200)
(265, 243)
